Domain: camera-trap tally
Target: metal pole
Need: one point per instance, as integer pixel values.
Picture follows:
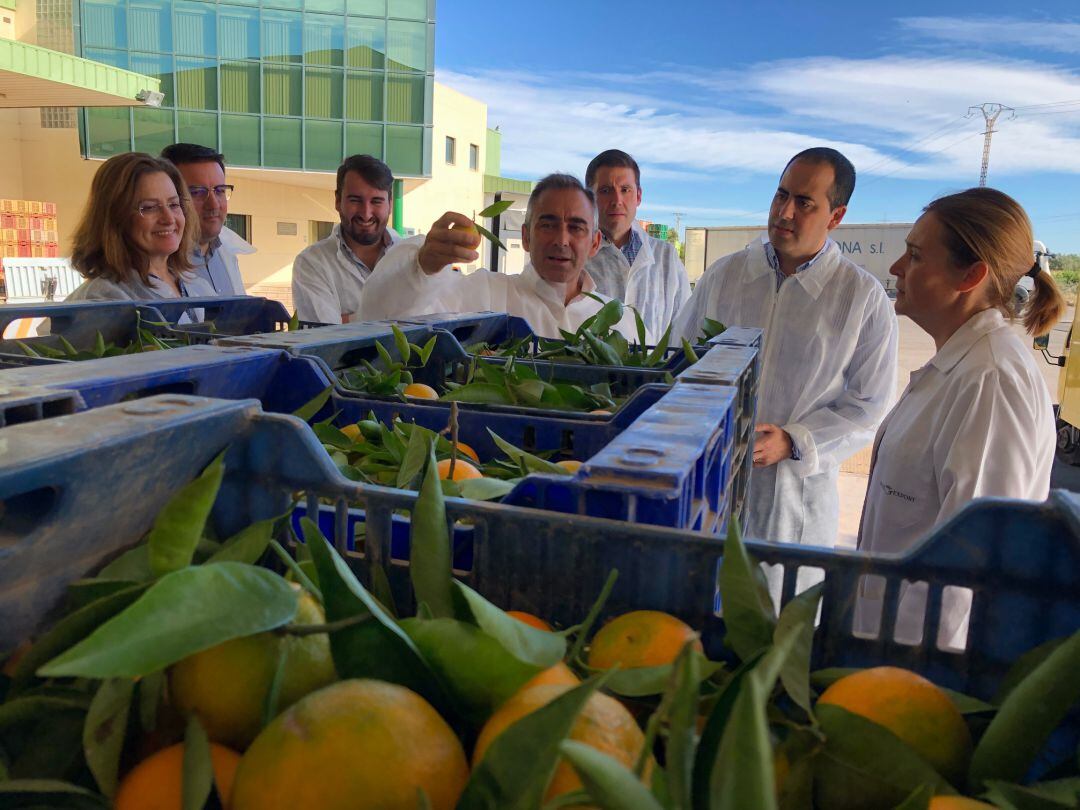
(496, 227)
(990, 113)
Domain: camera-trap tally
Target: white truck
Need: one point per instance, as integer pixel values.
(873, 246)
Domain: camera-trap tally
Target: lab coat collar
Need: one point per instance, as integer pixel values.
(556, 292)
(978, 325)
(813, 278)
(644, 253)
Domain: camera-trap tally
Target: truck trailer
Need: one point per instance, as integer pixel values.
(872, 246)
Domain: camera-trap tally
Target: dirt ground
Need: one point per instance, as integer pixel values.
(915, 349)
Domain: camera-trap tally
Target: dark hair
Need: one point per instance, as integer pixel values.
(611, 158)
(102, 245)
(181, 153)
(372, 170)
(557, 182)
(987, 225)
(843, 172)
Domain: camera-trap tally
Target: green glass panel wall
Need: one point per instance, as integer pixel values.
(196, 29)
(196, 83)
(405, 149)
(365, 44)
(364, 139)
(239, 29)
(364, 97)
(161, 68)
(405, 99)
(107, 56)
(153, 129)
(369, 8)
(409, 9)
(324, 40)
(240, 87)
(197, 127)
(323, 91)
(150, 25)
(282, 90)
(281, 143)
(104, 24)
(330, 6)
(240, 139)
(322, 145)
(108, 131)
(282, 36)
(406, 45)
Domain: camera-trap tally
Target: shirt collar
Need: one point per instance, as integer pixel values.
(346, 251)
(635, 238)
(212, 248)
(813, 275)
(774, 260)
(961, 341)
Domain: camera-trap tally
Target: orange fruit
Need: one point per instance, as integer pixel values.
(473, 233)
(156, 783)
(529, 619)
(559, 674)
(913, 709)
(571, 465)
(641, 638)
(604, 724)
(956, 803)
(353, 432)
(601, 411)
(463, 448)
(227, 685)
(462, 470)
(420, 391)
(355, 745)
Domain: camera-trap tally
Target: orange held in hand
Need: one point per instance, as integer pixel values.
(156, 783)
(462, 470)
(641, 638)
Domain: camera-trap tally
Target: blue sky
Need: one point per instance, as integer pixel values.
(712, 98)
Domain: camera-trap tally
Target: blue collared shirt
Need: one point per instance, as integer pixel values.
(774, 261)
(632, 247)
(211, 267)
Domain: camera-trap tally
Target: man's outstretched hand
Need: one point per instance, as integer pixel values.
(449, 245)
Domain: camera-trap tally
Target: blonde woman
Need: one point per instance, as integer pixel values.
(136, 233)
(977, 419)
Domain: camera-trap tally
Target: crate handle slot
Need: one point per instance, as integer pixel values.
(20, 514)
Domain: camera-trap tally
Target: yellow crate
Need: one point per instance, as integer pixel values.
(36, 206)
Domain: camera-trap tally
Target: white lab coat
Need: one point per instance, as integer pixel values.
(401, 288)
(656, 284)
(326, 283)
(976, 420)
(828, 375)
(232, 246)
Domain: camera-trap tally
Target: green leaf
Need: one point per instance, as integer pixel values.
(33, 707)
(377, 649)
(425, 353)
(656, 356)
(34, 794)
(294, 322)
(608, 782)
(1032, 710)
(103, 734)
(1024, 666)
(495, 209)
(1035, 797)
(645, 681)
(308, 410)
(797, 618)
(387, 360)
(918, 800)
(529, 644)
(682, 728)
(99, 345)
(69, 350)
(198, 768)
(518, 765)
(748, 614)
(489, 235)
(179, 525)
(861, 758)
(151, 691)
(688, 351)
(585, 628)
(416, 454)
(273, 694)
(609, 315)
(299, 571)
(711, 329)
(479, 393)
(485, 489)
(133, 565)
(71, 629)
(743, 774)
(528, 460)
(401, 343)
(430, 561)
(27, 350)
(184, 612)
(249, 544)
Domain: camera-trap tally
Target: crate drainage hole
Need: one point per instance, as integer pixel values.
(642, 456)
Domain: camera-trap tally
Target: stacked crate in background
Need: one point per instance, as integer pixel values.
(28, 229)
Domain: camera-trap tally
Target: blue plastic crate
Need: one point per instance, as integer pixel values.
(80, 322)
(64, 518)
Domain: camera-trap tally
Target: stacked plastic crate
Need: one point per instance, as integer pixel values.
(29, 229)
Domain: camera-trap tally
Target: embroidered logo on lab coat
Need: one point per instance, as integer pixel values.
(897, 493)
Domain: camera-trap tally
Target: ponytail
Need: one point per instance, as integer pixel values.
(1045, 306)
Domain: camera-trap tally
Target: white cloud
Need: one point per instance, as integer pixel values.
(993, 32)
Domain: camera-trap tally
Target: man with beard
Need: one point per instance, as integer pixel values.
(828, 365)
(329, 277)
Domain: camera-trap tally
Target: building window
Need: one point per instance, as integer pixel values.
(318, 230)
(474, 157)
(240, 224)
(451, 150)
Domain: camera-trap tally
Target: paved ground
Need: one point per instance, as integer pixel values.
(915, 349)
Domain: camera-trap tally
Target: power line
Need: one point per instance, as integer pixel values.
(928, 138)
(1048, 104)
(899, 169)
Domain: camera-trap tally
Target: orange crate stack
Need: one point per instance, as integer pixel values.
(28, 228)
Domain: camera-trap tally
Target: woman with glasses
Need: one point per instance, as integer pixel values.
(136, 233)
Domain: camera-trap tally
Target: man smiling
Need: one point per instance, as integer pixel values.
(829, 359)
(329, 277)
(552, 292)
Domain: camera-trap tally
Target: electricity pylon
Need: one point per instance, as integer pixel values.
(990, 114)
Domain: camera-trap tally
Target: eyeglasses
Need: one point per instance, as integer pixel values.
(155, 210)
(200, 193)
